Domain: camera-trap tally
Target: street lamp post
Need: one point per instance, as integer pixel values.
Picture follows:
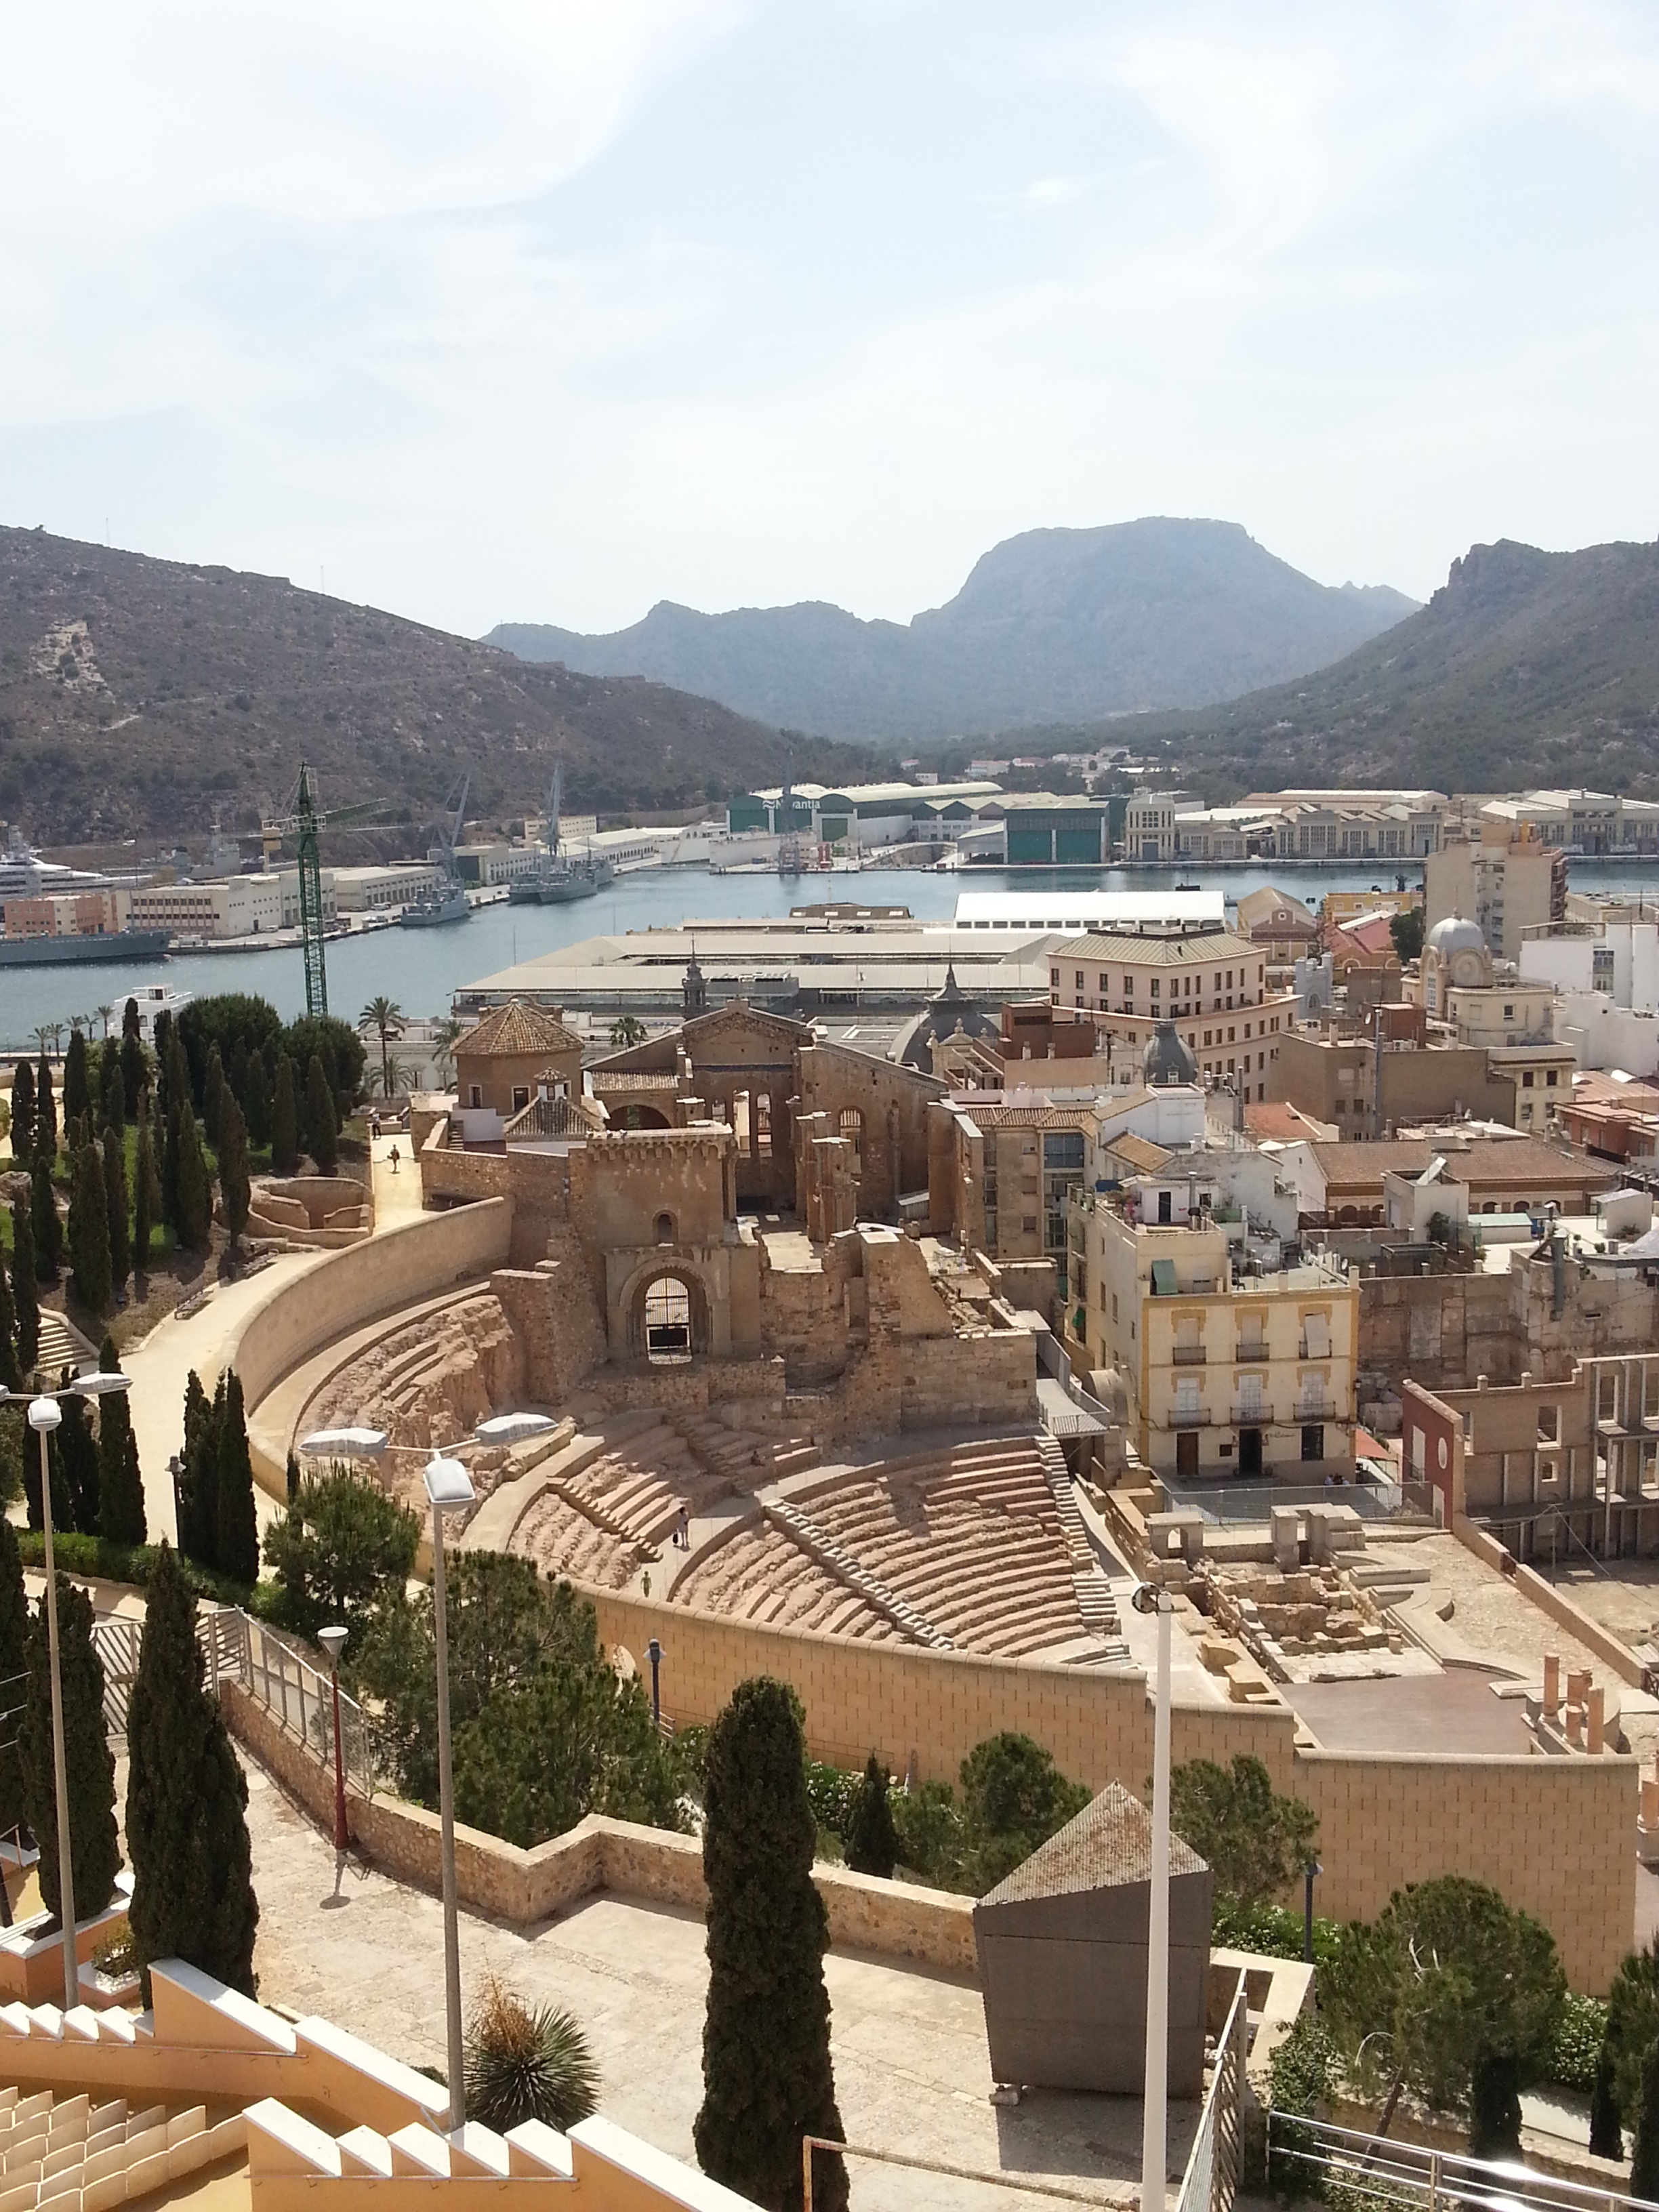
(1154, 2135)
(1310, 1873)
(333, 1642)
(44, 1413)
(448, 1490)
(654, 1653)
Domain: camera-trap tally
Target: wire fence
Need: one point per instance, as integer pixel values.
(1210, 2183)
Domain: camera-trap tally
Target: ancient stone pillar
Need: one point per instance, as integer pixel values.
(1552, 1680)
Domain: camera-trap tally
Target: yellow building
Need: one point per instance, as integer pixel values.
(1227, 1373)
(1210, 983)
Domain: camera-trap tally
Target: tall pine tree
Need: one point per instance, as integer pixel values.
(116, 1213)
(192, 1877)
(77, 1091)
(198, 1472)
(255, 1101)
(133, 1069)
(194, 1218)
(89, 1253)
(234, 1187)
(47, 1229)
(237, 1548)
(46, 1112)
(146, 1190)
(95, 1856)
(120, 1483)
(766, 2070)
(322, 1130)
(112, 1087)
(22, 1113)
(25, 1289)
(284, 1120)
(14, 1675)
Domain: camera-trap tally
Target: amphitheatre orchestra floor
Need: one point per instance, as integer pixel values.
(911, 2070)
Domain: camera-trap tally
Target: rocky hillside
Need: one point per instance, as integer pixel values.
(139, 697)
(1055, 623)
(1525, 668)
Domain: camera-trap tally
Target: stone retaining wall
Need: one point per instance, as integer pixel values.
(890, 1919)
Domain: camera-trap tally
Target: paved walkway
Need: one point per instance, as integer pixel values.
(396, 1190)
(911, 2072)
(161, 1366)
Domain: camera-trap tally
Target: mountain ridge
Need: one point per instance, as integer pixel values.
(1052, 623)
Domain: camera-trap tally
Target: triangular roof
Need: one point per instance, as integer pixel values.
(1108, 1846)
(516, 1030)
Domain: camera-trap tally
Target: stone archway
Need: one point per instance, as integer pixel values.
(667, 1314)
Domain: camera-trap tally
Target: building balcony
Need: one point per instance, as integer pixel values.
(1251, 1413)
(1188, 1417)
(1252, 1355)
(1305, 1350)
(1187, 1355)
(1317, 1408)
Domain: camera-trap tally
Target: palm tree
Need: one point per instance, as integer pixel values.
(446, 1036)
(45, 1035)
(390, 1078)
(386, 1016)
(626, 1029)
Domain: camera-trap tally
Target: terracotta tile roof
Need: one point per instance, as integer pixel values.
(514, 1031)
(1138, 1151)
(1518, 1160)
(1108, 1846)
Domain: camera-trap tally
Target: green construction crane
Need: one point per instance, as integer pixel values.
(302, 823)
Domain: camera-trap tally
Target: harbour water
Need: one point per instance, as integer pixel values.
(423, 970)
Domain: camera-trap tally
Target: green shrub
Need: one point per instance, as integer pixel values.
(1275, 1931)
(1578, 2042)
(527, 2065)
(95, 1556)
(1301, 2075)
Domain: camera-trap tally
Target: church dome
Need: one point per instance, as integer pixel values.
(1454, 935)
(1166, 1059)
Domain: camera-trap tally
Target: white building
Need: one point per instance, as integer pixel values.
(1081, 913)
(231, 906)
(1149, 827)
(1618, 959)
(372, 890)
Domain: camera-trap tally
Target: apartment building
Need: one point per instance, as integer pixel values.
(1012, 1170)
(1507, 881)
(1149, 827)
(1210, 984)
(1337, 1079)
(1232, 1364)
(67, 913)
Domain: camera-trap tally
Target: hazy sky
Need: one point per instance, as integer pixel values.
(549, 310)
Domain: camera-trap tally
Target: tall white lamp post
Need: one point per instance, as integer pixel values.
(44, 1413)
(448, 1490)
(1154, 2132)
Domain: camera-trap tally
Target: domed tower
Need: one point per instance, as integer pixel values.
(1455, 958)
(694, 990)
(1167, 1060)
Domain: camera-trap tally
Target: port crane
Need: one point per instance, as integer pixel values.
(302, 822)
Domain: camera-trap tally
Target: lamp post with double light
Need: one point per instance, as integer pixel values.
(45, 1411)
(448, 1490)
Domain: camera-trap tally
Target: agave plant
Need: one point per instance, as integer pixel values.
(524, 2064)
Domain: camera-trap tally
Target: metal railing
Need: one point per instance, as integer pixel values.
(1187, 1355)
(297, 1695)
(1189, 1417)
(1210, 2183)
(117, 1640)
(1232, 1501)
(1400, 2176)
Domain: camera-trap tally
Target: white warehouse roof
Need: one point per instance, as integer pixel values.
(1080, 913)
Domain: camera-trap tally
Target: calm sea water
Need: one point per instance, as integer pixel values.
(423, 968)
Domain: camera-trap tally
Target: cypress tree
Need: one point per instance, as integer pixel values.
(48, 1231)
(193, 1869)
(1645, 2157)
(213, 1095)
(89, 1251)
(871, 1839)
(62, 1501)
(255, 1101)
(237, 1546)
(112, 1087)
(766, 2069)
(117, 1213)
(1607, 2133)
(46, 1112)
(284, 1121)
(161, 1031)
(322, 1130)
(95, 1855)
(120, 1483)
(236, 1073)
(194, 1217)
(25, 1289)
(75, 1477)
(235, 1190)
(14, 1674)
(198, 1474)
(11, 1371)
(22, 1111)
(133, 1070)
(146, 1190)
(78, 1093)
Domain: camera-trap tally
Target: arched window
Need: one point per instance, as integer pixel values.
(665, 1229)
(668, 1323)
(852, 1127)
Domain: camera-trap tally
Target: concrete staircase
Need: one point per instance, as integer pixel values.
(1095, 1602)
